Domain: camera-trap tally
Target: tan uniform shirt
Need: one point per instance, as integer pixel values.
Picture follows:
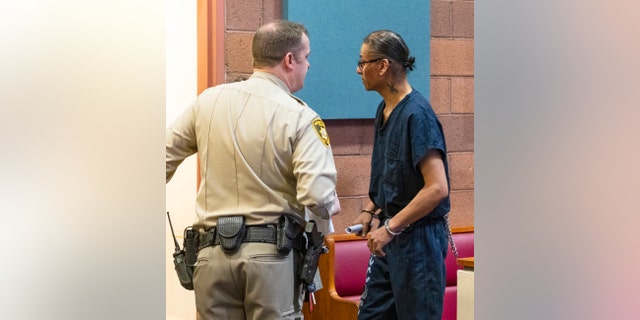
(263, 152)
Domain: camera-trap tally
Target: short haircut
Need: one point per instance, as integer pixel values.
(274, 40)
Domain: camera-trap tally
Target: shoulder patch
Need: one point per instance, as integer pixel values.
(321, 131)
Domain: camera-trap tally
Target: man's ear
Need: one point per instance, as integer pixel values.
(289, 59)
(384, 66)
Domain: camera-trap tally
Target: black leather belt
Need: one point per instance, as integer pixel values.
(256, 233)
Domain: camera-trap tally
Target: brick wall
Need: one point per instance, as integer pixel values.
(451, 96)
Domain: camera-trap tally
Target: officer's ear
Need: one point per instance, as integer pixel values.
(289, 60)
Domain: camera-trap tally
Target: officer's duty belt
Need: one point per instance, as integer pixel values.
(257, 233)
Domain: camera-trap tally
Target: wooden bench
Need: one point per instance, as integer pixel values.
(343, 271)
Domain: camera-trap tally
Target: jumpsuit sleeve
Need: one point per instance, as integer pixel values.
(180, 141)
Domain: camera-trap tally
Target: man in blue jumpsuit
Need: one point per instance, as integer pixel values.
(409, 190)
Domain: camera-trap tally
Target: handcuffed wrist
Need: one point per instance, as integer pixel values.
(386, 226)
(373, 214)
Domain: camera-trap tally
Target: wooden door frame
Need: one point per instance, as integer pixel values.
(210, 35)
(210, 43)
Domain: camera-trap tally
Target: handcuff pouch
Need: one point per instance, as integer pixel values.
(231, 232)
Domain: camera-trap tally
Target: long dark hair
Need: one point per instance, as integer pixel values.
(391, 45)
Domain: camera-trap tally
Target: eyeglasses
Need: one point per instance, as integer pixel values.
(362, 63)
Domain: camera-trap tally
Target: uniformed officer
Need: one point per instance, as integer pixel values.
(263, 154)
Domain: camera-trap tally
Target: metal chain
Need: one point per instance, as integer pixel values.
(454, 249)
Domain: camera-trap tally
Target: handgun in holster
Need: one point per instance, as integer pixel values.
(315, 247)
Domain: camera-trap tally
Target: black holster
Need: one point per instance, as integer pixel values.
(191, 237)
(314, 248)
(288, 235)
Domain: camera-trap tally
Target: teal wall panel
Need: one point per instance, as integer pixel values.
(336, 29)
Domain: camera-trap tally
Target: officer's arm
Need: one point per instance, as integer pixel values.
(180, 141)
(315, 173)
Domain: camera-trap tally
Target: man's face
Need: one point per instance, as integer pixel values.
(302, 64)
(368, 68)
